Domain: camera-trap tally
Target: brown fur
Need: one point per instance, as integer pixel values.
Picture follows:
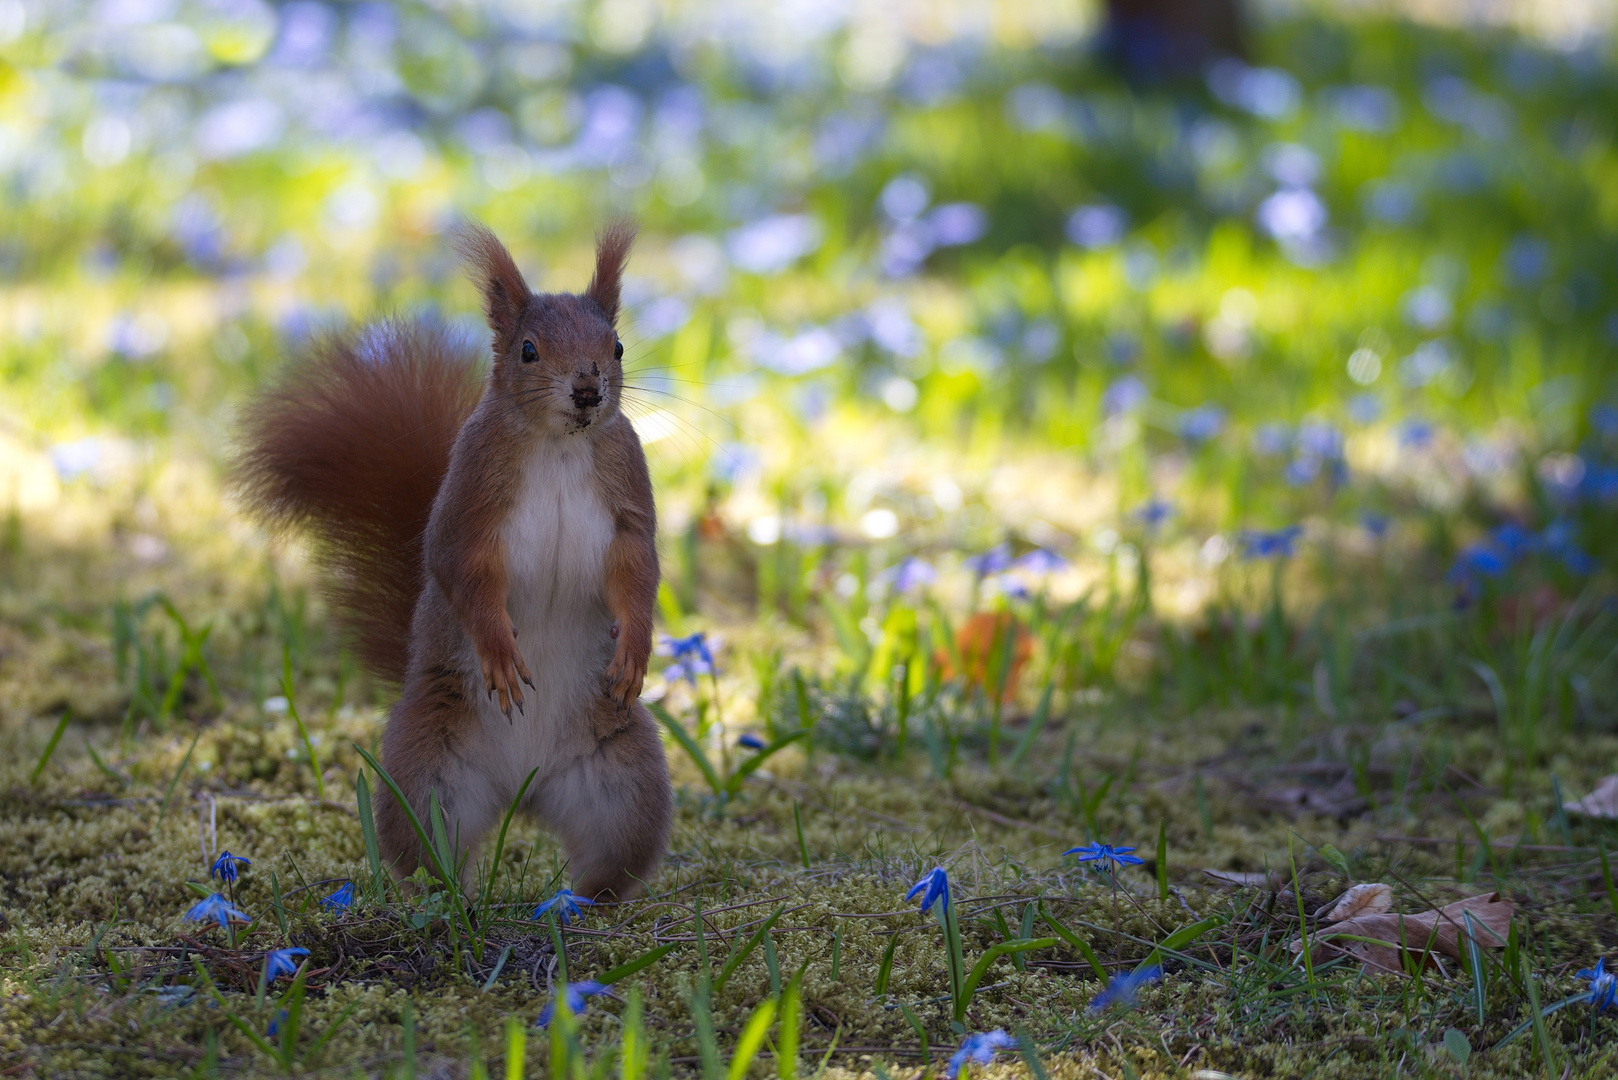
(601, 779)
(351, 446)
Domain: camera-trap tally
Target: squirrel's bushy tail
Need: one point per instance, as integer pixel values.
(350, 446)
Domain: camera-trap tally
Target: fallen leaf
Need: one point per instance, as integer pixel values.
(1423, 937)
(1371, 898)
(1600, 803)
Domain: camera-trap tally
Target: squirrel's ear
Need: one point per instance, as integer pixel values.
(612, 251)
(505, 293)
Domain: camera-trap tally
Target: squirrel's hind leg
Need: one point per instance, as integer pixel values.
(424, 752)
(612, 808)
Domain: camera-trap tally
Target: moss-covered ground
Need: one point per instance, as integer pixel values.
(102, 849)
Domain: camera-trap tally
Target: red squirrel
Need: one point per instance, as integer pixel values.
(484, 538)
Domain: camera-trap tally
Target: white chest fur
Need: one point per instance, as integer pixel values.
(557, 534)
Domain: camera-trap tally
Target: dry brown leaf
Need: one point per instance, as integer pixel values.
(1370, 898)
(1600, 803)
(1423, 936)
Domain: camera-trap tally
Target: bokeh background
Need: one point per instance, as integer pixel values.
(1157, 292)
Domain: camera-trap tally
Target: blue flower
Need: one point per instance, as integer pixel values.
(227, 867)
(1109, 856)
(566, 905)
(1154, 513)
(911, 574)
(692, 657)
(1415, 434)
(1271, 544)
(1603, 985)
(1375, 524)
(1513, 540)
(1604, 419)
(1302, 470)
(979, 1048)
(1474, 562)
(216, 909)
(575, 995)
(933, 887)
(340, 900)
(996, 560)
(1558, 540)
(751, 741)
(1121, 989)
(275, 1025)
(279, 962)
(1041, 561)
(1202, 423)
(1007, 586)
(1123, 395)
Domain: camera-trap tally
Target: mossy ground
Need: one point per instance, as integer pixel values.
(99, 968)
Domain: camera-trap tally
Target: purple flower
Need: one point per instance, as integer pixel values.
(1041, 561)
(216, 909)
(912, 574)
(1302, 470)
(341, 900)
(1202, 423)
(1603, 985)
(751, 741)
(1007, 586)
(1558, 540)
(1415, 434)
(1110, 857)
(227, 867)
(692, 657)
(1271, 544)
(1121, 989)
(979, 1048)
(279, 962)
(933, 887)
(566, 904)
(1476, 561)
(994, 561)
(1124, 395)
(574, 994)
(1154, 513)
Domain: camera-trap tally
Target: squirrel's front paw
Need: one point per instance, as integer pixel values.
(503, 666)
(625, 674)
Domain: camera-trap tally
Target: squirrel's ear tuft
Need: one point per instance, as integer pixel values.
(505, 293)
(612, 251)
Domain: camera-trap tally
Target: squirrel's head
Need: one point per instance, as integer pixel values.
(557, 357)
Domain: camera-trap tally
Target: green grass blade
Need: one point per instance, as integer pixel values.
(786, 1045)
(50, 747)
(633, 1047)
(1036, 724)
(237, 1022)
(297, 718)
(1182, 937)
(1163, 859)
(373, 850)
(451, 882)
(689, 745)
(516, 1048)
(1606, 878)
(499, 966)
(747, 1047)
(921, 1033)
(499, 849)
(640, 963)
(313, 1053)
(885, 969)
(1080, 946)
(751, 765)
(1474, 956)
(981, 968)
(175, 779)
(740, 954)
(803, 847)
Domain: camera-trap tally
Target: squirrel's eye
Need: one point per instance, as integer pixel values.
(529, 353)
(618, 350)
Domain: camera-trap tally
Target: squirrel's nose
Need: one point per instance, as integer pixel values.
(586, 395)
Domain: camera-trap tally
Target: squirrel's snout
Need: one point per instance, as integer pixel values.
(586, 396)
